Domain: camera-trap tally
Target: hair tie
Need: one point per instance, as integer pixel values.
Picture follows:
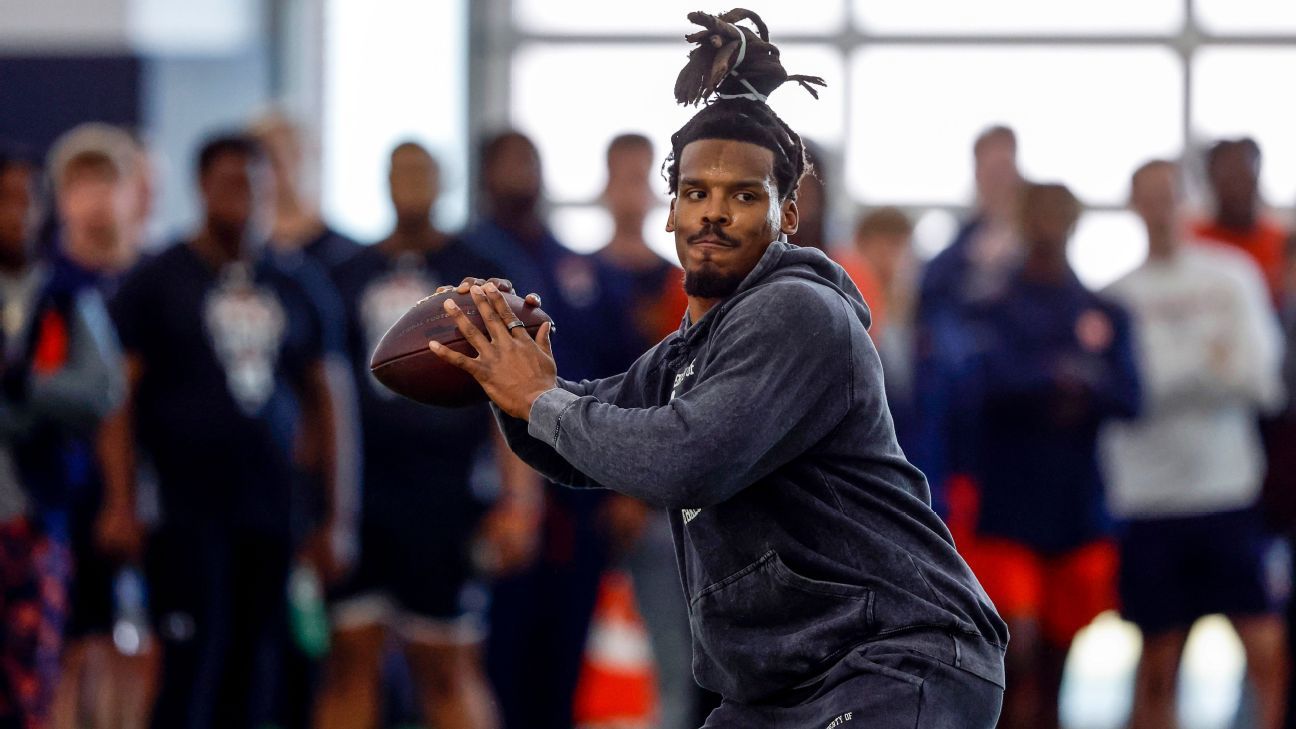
(753, 94)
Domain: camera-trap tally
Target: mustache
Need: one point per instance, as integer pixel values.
(710, 231)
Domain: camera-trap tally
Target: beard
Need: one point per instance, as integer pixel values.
(708, 283)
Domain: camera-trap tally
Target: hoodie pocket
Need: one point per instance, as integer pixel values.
(766, 628)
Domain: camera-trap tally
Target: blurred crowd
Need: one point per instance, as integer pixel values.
(212, 515)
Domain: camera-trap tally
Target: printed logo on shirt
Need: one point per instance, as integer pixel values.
(578, 281)
(690, 514)
(840, 720)
(684, 374)
(246, 324)
(383, 302)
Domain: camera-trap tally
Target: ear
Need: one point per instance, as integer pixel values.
(789, 217)
(670, 217)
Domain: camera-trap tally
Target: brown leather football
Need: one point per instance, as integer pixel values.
(403, 363)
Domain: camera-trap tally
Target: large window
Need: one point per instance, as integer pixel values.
(394, 71)
(1093, 89)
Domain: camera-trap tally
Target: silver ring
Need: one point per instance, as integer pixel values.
(514, 324)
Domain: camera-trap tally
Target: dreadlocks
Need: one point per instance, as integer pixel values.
(740, 68)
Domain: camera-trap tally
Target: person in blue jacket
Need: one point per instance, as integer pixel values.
(822, 588)
(1056, 363)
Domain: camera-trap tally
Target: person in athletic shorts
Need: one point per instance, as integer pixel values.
(1185, 477)
(433, 512)
(1057, 363)
(225, 351)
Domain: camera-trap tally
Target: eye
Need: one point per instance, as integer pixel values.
(695, 194)
(746, 197)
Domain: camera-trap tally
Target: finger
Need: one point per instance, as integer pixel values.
(542, 339)
(496, 324)
(532, 300)
(504, 311)
(503, 284)
(468, 283)
(467, 328)
(462, 361)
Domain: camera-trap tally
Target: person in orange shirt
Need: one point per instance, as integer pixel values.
(882, 264)
(1233, 170)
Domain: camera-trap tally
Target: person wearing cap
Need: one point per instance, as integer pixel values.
(99, 181)
(59, 377)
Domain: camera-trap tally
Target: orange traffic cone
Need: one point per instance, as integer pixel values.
(617, 686)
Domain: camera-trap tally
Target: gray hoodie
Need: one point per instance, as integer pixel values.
(800, 528)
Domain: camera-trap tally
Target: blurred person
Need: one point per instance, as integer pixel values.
(60, 376)
(539, 618)
(973, 269)
(812, 201)
(1233, 171)
(308, 246)
(652, 304)
(225, 357)
(1279, 490)
(298, 224)
(1058, 363)
(887, 273)
(822, 588)
(101, 203)
(416, 578)
(1185, 476)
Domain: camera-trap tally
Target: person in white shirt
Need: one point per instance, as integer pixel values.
(1185, 477)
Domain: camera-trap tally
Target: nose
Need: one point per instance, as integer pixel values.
(717, 212)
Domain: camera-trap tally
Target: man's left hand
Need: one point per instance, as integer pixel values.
(511, 367)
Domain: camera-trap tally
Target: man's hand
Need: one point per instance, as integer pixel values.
(331, 549)
(503, 284)
(508, 538)
(512, 368)
(118, 532)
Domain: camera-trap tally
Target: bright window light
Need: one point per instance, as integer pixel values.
(587, 228)
(394, 71)
(1106, 246)
(1260, 17)
(1084, 116)
(933, 232)
(574, 98)
(633, 17)
(1238, 91)
(1020, 17)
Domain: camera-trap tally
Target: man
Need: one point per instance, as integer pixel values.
(1057, 364)
(887, 274)
(96, 170)
(1186, 476)
(423, 508)
(298, 224)
(58, 379)
(540, 617)
(1233, 171)
(305, 243)
(224, 349)
(822, 587)
(970, 271)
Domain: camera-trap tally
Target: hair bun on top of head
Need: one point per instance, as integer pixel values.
(732, 61)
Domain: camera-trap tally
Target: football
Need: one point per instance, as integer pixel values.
(403, 363)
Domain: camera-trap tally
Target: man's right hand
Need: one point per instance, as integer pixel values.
(119, 532)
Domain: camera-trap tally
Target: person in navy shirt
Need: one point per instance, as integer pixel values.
(225, 351)
(429, 521)
(1057, 361)
(540, 618)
